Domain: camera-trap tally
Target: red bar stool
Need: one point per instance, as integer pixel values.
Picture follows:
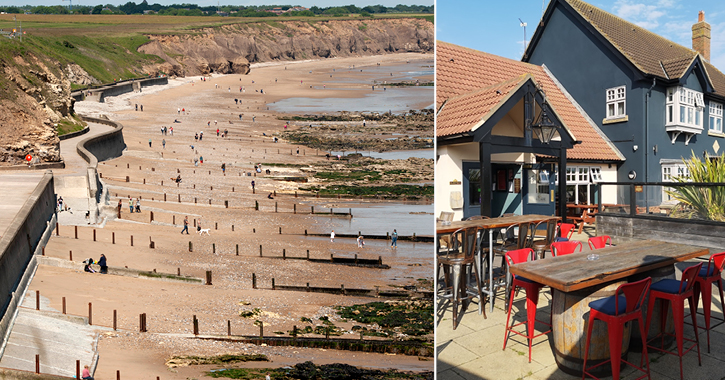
(675, 292)
(705, 278)
(597, 242)
(624, 306)
(532, 298)
(565, 247)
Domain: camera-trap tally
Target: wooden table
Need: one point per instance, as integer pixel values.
(490, 225)
(575, 281)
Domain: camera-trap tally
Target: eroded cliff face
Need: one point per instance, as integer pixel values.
(230, 49)
(36, 96)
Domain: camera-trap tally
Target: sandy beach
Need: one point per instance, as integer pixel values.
(205, 191)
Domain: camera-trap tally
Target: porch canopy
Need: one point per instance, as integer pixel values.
(499, 118)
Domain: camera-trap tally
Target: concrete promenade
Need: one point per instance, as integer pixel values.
(474, 349)
(15, 189)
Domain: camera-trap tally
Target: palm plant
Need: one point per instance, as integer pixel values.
(697, 201)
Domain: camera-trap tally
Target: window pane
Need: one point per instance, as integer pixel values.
(474, 187)
(718, 125)
(697, 118)
(610, 110)
(620, 109)
(682, 114)
(669, 114)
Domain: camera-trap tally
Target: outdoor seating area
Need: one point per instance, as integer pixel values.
(567, 311)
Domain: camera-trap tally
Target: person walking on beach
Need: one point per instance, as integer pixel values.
(149, 143)
(360, 242)
(224, 168)
(163, 142)
(395, 239)
(138, 205)
(130, 205)
(332, 236)
(252, 185)
(186, 225)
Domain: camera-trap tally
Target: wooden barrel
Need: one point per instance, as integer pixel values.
(636, 341)
(570, 321)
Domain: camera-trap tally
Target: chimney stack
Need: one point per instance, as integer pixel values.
(701, 36)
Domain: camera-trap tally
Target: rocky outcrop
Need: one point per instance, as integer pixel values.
(230, 48)
(36, 97)
(77, 75)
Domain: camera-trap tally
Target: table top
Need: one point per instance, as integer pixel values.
(500, 222)
(574, 272)
(572, 205)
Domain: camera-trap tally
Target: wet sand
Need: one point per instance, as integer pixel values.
(170, 305)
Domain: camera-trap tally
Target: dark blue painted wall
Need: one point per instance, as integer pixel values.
(587, 67)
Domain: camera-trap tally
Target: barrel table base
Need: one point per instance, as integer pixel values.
(570, 321)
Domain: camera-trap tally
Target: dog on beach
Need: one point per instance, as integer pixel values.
(204, 230)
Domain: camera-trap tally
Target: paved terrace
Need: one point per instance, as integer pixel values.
(474, 349)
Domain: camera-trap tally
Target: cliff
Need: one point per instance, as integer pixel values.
(230, 48)
(35, 97)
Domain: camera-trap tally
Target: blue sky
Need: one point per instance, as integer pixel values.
(493, 25)
(309, 3)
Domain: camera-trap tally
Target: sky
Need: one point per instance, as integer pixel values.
(493, 26)
(304, 3)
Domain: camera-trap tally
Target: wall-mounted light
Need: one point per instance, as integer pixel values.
(654, 149)
(635, 147)
(632, 174)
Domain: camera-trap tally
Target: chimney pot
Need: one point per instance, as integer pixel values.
(701, 16)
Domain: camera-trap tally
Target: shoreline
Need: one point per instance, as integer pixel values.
(170, 306)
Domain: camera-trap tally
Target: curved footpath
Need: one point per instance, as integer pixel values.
(71, 183)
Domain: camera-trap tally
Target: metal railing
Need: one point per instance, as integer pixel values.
(661, 199)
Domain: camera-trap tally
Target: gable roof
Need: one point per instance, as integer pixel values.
(467, 112)
(651, 54)
(471, 84)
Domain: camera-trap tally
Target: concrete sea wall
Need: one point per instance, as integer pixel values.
(25, 237)
(98, 93)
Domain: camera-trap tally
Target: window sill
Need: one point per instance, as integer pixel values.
(715, 134)
(616, 120)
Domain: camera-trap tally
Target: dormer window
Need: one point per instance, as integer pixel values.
(684, 113)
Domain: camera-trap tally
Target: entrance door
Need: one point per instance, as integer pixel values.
(471, 189)
(539, 185)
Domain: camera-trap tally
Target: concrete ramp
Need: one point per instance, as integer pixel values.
(74, 190)
(75, 186)
(59, 339)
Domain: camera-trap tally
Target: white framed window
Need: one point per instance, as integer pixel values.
(616, 102)
(669, 172)
(596, 174)
(684, 110)
(578, 183)
(715, 117)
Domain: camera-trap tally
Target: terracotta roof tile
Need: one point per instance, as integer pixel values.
(468, 77)
(465, 113)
